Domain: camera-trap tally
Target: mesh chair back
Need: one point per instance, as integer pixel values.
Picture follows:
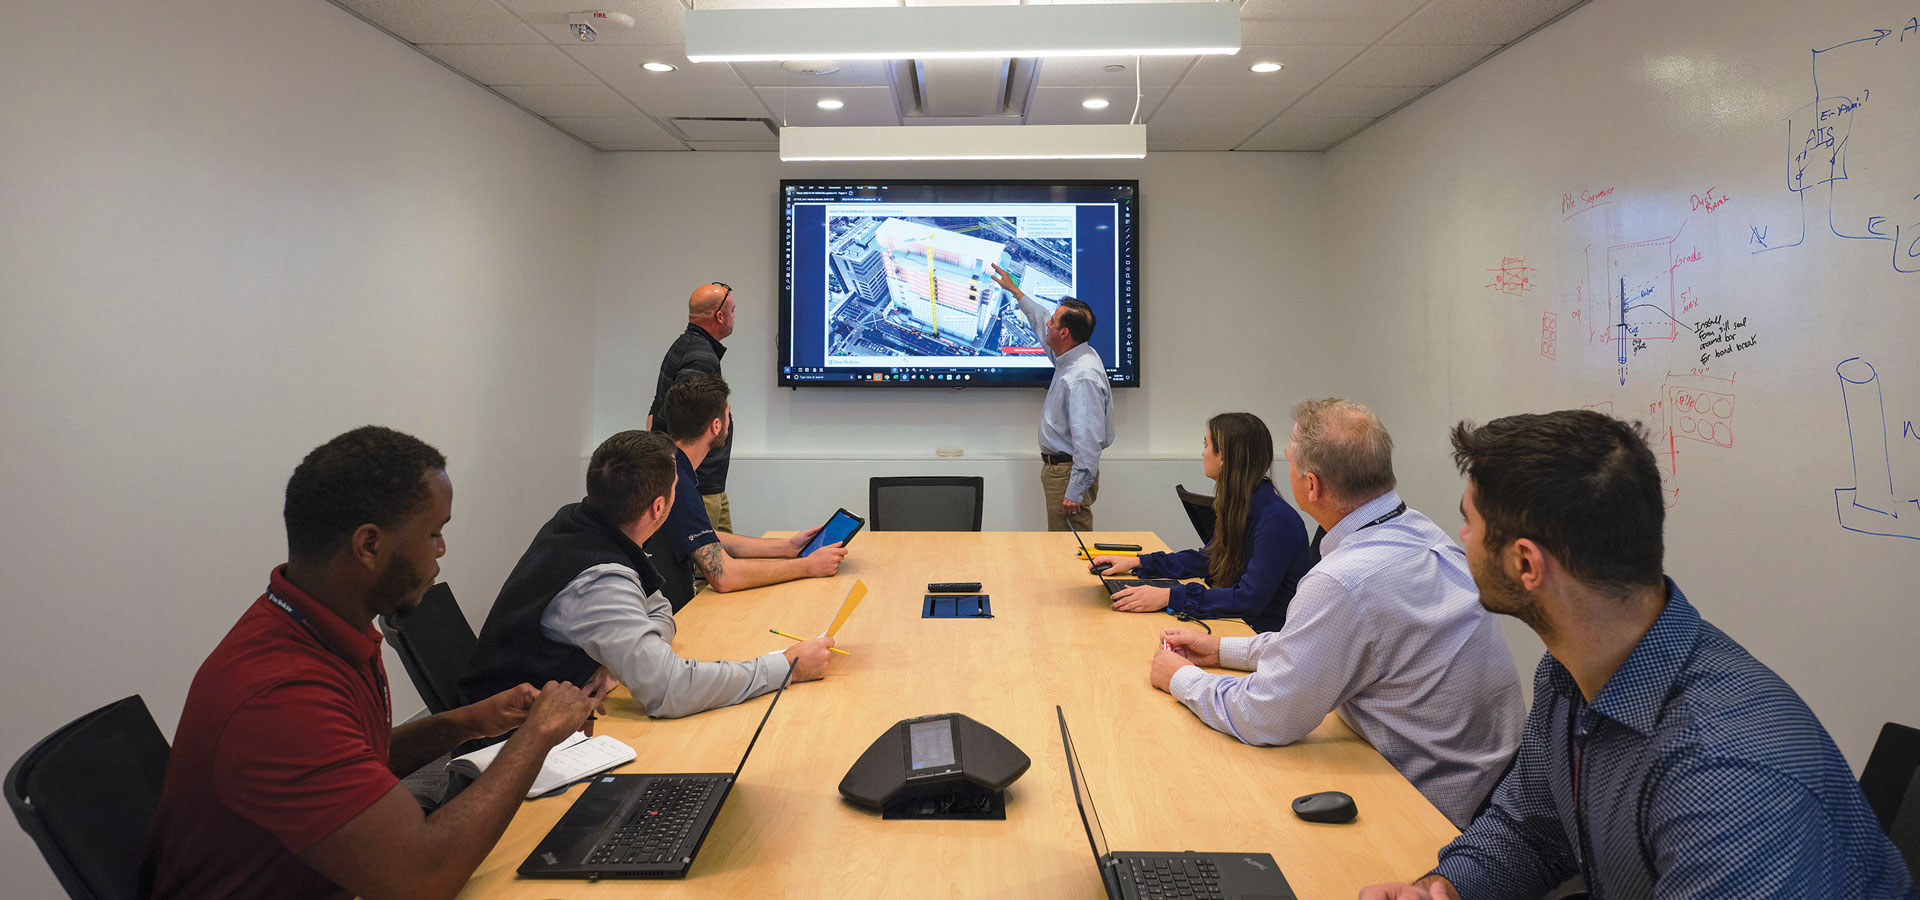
(1893, 790)
(1199, 509)
(925, 503)
(434, 642)
(86, 795)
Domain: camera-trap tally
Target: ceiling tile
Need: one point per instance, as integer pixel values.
(551, 100)
(1407, 64)
(1349, 101)
(707, 89)
(1090, 71)
(654, 21)
(1476, 21)
(1305, 66)
(864, 105)
(666, 103)
(633, 129)
(852, 72)
(735, 146)
(1256, 105)
(512, 63)
(1172, 133)
(1061, 105)
(446, 21)
(1321, 21)
(1297, 133)
(792, 4)
(619, 65)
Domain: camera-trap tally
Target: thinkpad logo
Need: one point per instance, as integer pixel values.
(1254, 863)
(550, 859)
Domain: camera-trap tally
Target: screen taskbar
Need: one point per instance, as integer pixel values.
(915, 376)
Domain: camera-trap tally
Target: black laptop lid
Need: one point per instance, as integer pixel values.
(1089, 817)
(763, 723)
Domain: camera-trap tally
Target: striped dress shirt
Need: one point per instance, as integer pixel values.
(1387, 629)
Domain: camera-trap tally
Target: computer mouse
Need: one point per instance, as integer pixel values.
(1100, 568)
(1326, 806)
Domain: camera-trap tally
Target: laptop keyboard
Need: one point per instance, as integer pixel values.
(660, 827)
(1171, 879)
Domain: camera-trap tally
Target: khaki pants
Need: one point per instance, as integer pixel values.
(719, 513)
(1053, 483)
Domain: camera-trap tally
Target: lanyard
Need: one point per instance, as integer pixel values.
(1390, 516)
(379, 677)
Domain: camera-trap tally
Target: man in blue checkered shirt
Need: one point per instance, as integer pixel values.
(1660, 760)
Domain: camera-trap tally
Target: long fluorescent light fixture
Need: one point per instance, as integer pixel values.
(960, 32)
(922, 142)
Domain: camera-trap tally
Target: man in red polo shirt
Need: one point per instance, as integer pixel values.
(284, 778)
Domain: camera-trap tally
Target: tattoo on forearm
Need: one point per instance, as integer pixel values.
(711, 560)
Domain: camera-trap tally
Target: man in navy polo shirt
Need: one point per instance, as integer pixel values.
(1661, 760)
(284, 776)
(695, 415)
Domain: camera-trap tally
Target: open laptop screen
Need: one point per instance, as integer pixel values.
(1089, 817)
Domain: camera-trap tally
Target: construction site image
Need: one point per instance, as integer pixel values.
(922, 286)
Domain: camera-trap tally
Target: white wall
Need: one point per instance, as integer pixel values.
(1660, 102)
(1233, 316)
(229, 231)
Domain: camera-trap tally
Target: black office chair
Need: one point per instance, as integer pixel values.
(1893, 790)
(86, 794)
(925, 503)
(434, 642)
(1199, 509)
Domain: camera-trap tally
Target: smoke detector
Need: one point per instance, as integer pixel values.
(811, 66)
(588, 24)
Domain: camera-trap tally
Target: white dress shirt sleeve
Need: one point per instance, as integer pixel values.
(1301, 672)
(605, 613)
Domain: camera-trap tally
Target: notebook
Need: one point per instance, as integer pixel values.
(569, 761)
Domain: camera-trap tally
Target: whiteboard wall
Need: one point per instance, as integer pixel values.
(1704, 216)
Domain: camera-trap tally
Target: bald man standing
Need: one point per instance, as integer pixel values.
(698, 352)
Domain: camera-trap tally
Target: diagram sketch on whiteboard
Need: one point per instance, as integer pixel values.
(1869, 506)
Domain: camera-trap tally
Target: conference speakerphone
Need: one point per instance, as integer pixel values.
(960, 765)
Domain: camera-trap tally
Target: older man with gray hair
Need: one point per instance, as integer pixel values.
(1387, 629)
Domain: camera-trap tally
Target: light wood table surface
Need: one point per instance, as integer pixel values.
(1161, 779)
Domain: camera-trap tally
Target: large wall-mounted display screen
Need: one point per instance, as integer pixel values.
(891, 282)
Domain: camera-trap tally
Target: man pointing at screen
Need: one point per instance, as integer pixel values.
(1076, 422)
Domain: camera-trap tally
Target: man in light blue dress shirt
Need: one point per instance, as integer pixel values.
(1387, 629)
(1076, 421)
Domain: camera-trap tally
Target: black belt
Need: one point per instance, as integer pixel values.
(1054, 459)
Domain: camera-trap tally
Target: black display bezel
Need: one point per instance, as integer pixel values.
(782, 358)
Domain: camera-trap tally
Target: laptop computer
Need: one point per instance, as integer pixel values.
(638, 826)
(1115, 585)
(1171, 876)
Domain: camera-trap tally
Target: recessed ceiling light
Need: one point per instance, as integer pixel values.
(1265, 67)
(811, 66)
(1094, 103)
(657, 67)
(829, 104)
(1116, 67)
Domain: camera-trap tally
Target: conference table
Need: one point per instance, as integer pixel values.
(1160, 779)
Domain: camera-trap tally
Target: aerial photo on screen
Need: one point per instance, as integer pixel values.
(919, 286)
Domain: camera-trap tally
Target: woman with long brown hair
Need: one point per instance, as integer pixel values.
(1259, 547)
